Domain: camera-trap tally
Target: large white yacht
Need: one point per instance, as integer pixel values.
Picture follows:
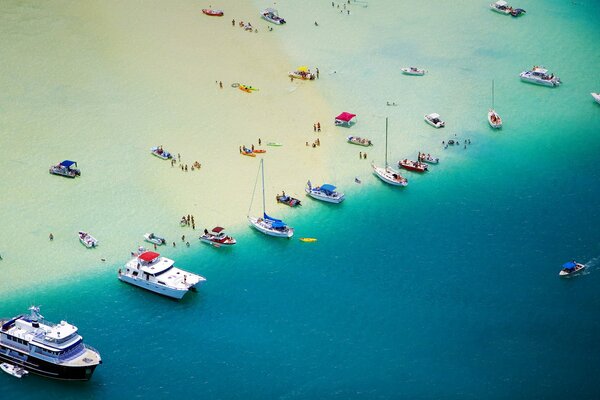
(43, 348)
(539, 75)
(150, 271)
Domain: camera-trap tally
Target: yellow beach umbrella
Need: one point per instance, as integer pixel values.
(303, 68)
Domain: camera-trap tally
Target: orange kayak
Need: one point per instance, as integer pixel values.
(259, 151)
(249, 154)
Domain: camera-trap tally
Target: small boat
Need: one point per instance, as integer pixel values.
(517, 11)
(274, 144)
(247, 88)
(539, 76)
(412, 71)
(428, 158)
(571, 268)
(434, 120)
(161, 153)
(325, 192)
(303, 73)
(66, 168)
(152, 238)
(308, 240)
(213, 13)
(271, 15)
(387, 174)
(259, 151)
(268, 225)
(359, 141)
(247, 152)
(87, 240)
(217, 237)
(13, 370)
(596, 97)
(493, 118)
(415, 166)
(288, 200)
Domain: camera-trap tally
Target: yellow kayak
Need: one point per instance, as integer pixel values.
(310, 240)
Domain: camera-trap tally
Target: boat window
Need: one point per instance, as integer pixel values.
(162, 272)
(134, 273)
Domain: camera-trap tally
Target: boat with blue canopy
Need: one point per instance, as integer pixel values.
(325, 192)
(66, 168)
(571, 268)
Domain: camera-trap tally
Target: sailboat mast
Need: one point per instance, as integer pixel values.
(492, 94)
(386, 138)
(262, 168)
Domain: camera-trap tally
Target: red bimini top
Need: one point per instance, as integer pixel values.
(218, 229)
(345, 116)
(148, 256)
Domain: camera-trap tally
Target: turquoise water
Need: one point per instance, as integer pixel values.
(446, 289)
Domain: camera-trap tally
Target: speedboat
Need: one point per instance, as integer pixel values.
(571, 268)
(388, 175)
(66, 168)
(434, 120)
(515, 12)
(501, 7)
(494, 119)
(359, 141)
(152, 238)
(87, 240)
(539, 75)
(217, 237)
(271, 15)
(325, 192)
(213, 13)
(157, 274)
(596, 97)
(428, 158)
(161, 153)
(288, 200)
(303, 73)
(412, 71)
(416, 166)
(13, 370)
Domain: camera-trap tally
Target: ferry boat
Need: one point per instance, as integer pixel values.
(271, 15)
(325, 192)
(428, 158)
(161, 153)
(217, 237)
(13, 370)
(416, 166)
(413, 71)
(157, 274)
(66, 168)
(571, 268)
(359, 141)
(434, 120)
(540, 76)
(43, 348)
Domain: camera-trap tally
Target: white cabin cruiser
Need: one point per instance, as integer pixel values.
(434, 120)
(87, 240)
(13, 370)
(157, 274)
(32, 344)
(325, 192)
(539, 76)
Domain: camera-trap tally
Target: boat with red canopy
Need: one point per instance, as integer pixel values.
(416, 166)
(217, 237)
(345, 119)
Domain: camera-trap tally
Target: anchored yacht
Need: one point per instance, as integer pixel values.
(47, 349)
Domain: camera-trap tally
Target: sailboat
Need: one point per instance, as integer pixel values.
(387, 174)
(493, 117)
(265, 224)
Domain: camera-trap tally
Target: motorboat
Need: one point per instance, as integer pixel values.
(571, 268)
(325, 192)
(539, 76)
(13, 370)
(161, 153)
(87, 240)
(428, 158)
(434, 120)
(288, 200)
(501, 7)
(359, 141)
(303, 73)
(596, 97)
(66, 168)
(268, 225)
(213, 13)
(515, 12)
(157, 274)
(415, 166)
(271, 15)
(217, 237)
(387, 174)
(412, 71)
(155, 239)
(30, 343)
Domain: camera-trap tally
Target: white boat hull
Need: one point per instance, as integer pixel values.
(88, 240)
(153, 287)
(494, 123)
(538, 81)
(155, 239)
(417, 72)
(387, 175)
(581, 267)
(261, 227)
(323, 197)
(15, 371)
(596, 97)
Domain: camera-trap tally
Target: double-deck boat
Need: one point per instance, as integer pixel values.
(87, 240)
(412, 71)
(157, 274)
(325, 192)
(539, 76)
(428, 158)
(217, 237)
(271, 15)
(434, 120)
(387, 174)
(31, 343)
(155, 239)
(359, 141)
(416, 166)
(66, 168)
(571, 268)
(161, 153)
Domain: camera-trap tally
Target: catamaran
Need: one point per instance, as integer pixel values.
(266, 224)
(539, 76)
(387, 174)
(493, 117)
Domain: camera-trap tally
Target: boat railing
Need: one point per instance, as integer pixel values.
(87, 346)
